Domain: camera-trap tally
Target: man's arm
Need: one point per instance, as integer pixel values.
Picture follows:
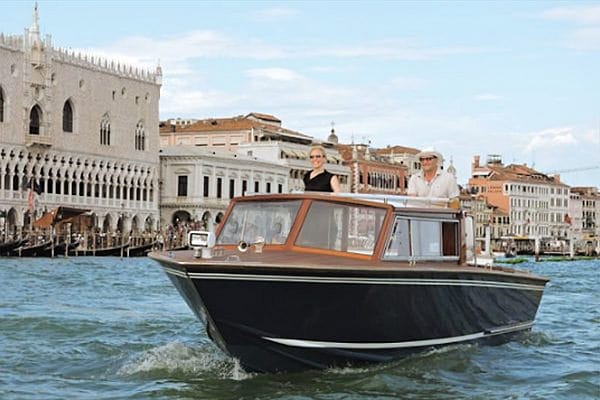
(412, 186)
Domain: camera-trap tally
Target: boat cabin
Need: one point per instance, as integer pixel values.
(368, 227)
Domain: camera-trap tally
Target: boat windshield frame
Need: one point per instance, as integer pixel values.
(269, 220)
(374, 241)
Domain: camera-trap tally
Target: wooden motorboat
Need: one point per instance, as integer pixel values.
(302, 281)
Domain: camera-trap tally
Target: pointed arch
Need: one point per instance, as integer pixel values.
(105, 130)
(140, 136)
(68, 116)
(35, 120)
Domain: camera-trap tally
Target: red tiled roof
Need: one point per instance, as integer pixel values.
(397, 149)
(266, 117)
(516, 172)
(239, 123)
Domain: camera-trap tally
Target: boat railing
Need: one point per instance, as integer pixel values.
(392, 199)
(400, 200)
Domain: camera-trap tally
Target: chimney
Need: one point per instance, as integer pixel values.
(475, 163)
(556, 178)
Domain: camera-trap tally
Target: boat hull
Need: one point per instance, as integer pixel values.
(278, 319)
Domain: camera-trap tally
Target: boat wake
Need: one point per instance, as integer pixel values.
(177, 360)
(534, 338)
(434, 356)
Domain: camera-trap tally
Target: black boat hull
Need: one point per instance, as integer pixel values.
(283, 320)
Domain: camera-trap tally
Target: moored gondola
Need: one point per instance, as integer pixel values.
(140, 251)
(34, 250)
(7, 247)
(115, 251)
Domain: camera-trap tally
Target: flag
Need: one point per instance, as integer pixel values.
(31, 200)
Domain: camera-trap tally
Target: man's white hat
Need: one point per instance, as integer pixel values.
(430, 152)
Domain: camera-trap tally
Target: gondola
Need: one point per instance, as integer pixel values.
(35, 250)
(140, 251)
(6, 248)
(116, 251)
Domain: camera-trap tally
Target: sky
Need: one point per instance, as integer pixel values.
(518, 79)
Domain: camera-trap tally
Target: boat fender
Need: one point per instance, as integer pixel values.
(243, 246)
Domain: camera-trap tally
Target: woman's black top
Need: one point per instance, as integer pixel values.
(320, 183)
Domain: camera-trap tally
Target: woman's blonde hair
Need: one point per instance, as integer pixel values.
(318, 147)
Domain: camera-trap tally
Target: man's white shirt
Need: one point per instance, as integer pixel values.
(442, 185)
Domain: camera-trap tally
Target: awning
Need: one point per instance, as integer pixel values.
(56, 215)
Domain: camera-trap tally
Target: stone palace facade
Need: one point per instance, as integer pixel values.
(77, 131)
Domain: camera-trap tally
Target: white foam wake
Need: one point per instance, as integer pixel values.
(177, 358)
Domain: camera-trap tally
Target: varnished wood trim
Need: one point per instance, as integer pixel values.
(312, 250)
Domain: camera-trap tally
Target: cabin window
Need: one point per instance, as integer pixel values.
(251, 221)
(341, 227)
(423, 238)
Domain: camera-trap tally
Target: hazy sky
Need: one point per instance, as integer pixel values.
(519, 79)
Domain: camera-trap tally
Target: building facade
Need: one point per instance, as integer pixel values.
(256, 135)
(537, 205)
(586, 218)
(76, 131)
(373, 173)
(197, 183)
(406, 156)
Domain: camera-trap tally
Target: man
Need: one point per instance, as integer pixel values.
(431, 181)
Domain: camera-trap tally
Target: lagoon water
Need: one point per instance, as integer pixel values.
(106, 328)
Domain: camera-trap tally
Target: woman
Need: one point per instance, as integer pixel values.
(318, 179)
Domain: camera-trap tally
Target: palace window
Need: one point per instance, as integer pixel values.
(140, 137)
(1, 105)
(182, 185)
(219, 188)
(68, 117)
(206, 186)
(105, 130)
(35, 120)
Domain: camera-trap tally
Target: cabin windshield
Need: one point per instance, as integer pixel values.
(422, 238)
(269, 220)
(341, 227)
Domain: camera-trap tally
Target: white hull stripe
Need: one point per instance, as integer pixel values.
(363, 281)
(396, 345)
(177, 272)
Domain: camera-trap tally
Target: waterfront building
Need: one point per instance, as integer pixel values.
(575, 216)
(486, 216)
(371, 172)
(536, 205)
(402, 155)
(585, 214)
(76, 130)
(256, 135)
(198, 182)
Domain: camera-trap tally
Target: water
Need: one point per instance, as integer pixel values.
(105, 328)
